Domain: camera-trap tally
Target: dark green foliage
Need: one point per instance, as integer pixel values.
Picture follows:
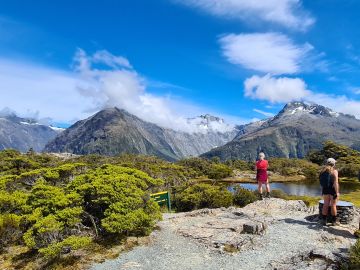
(355, 256)
(348, 160)
(10, 231)
(55, 206)
(294, 166)
(212, 169)
(331, 149)
(219, 171)
(13, 162)
(72, 243)
(172, 173)
(241, 165)
(202, 196)
(199, 165)
(244, 196)
(117, 197)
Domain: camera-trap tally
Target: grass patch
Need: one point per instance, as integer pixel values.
(308, 200)
(353, 197)
(21, 257)
(230, 248)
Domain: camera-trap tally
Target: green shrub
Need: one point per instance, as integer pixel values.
(219, 171)
(278, 193)
(354, 262)
(202, 196)
(12, 202)
(243, 196)
(117, 198)
(70, 243)
(10, 231)
(50, 205)
(199, 165)
(348, 160)
(241, 165)
(51, 214)
(294, 166)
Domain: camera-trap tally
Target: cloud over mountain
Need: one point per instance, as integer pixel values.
(285, 89)
(120, 85)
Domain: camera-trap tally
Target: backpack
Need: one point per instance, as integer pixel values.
(325, 179)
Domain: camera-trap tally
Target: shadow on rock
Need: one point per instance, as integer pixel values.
(315, 226)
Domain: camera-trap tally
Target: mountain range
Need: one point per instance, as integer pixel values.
(298, 128)
(113, 131)
(22, 133)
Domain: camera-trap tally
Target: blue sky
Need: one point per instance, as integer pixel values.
(164, 60)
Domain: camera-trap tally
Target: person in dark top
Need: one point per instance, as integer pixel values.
(329, 181)
(262, 175)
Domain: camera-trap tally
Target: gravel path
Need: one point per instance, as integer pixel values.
(287, 243)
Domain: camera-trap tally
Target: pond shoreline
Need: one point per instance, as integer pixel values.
(234, 180)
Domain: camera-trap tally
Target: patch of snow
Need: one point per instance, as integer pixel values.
(31, 124)
(298, 109)
(57, 128)
(207, 123)
(335, 114)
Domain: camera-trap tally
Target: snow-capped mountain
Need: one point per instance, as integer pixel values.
(296, 129)
(113, 131)
(207, 122)
(22, 134)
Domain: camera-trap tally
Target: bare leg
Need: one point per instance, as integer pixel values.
(260, 187)
(326, 205)
(333, 206)
(267, 186)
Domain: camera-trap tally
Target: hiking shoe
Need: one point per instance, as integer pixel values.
(261, 196)
(322, 220)
(335, 221)
(268, 195)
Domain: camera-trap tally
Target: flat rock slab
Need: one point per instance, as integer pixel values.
(268, 234)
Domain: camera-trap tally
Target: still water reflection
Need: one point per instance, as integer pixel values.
(306, 188)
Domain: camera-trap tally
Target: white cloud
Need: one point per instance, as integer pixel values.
(355, 90)
(123, 87)
(265, 52)
(267, 114)
(34, 90)
(98, 81)
(339, 103)
(283, 89)
(273, 89)
(288, 13)
(111, 60)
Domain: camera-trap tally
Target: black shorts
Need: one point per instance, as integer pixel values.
(329, 191)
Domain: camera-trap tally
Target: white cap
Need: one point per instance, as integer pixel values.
(331, 161)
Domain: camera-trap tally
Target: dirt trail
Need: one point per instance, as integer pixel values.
(269, 234)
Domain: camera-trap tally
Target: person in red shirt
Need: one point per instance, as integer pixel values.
(262, 175)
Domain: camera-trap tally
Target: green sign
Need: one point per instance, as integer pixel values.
(162, 198)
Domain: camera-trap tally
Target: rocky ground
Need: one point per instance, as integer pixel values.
(268, 234)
